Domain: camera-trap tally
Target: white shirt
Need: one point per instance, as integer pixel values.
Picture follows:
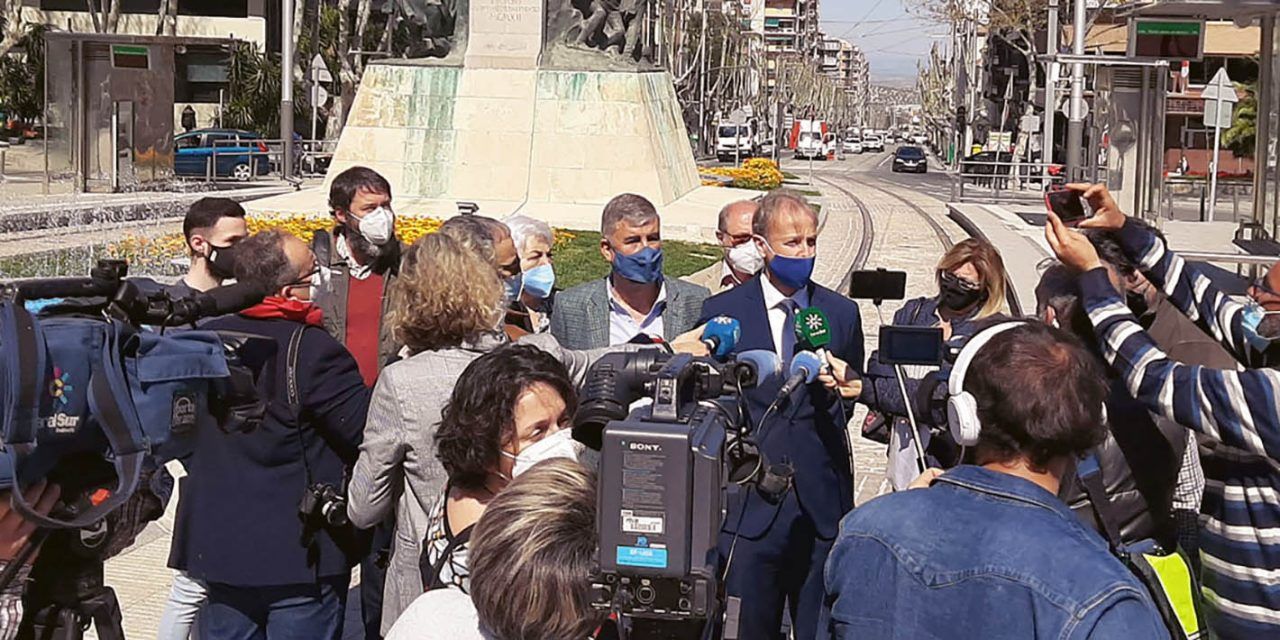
(357, 271)
(781, 319)
(623, 326)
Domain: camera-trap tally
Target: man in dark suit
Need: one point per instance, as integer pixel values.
(778, 550)
(635, 301)
(269, 573)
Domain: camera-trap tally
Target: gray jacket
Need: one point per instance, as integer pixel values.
(580, 319)
(398, 465)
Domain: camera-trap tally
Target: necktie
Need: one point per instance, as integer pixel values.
(788, 338)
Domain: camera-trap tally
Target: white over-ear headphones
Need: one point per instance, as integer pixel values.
(962, 408)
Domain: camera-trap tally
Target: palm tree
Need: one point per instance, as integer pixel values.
(1241, 138)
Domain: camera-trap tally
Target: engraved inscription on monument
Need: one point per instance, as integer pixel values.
(506, 29)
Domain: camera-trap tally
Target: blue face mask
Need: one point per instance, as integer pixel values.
(792, 272)
(512, 287)
(643, 266)
(539, 280)
(1253, 316)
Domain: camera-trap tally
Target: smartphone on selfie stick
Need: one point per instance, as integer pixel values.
(898, 345)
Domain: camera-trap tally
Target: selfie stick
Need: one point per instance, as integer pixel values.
(906, 399)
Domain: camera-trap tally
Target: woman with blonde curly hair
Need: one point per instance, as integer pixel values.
(448, 311)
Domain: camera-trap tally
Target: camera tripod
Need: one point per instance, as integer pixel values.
(66, 596)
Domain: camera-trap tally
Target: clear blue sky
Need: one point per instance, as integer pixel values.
(892, 39)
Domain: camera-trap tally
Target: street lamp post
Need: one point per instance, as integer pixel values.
(286, 86)
(1075, 121)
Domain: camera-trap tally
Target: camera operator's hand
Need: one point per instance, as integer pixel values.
(690, 342)
(1107, 215)
(835, 377)
(1071, 247)
(16, 530)
(925, 479)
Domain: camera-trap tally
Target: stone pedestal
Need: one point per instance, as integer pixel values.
(512, 135)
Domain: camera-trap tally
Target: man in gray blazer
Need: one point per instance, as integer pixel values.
(634, 302)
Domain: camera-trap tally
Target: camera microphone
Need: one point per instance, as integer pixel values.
(754, 366)
(218, 301)
(805, 366)
(721, 335)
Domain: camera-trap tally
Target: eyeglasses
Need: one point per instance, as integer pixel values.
(1261, 285)
(947, 276)
(305, 281)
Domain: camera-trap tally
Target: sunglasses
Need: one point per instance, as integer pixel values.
(947, 276)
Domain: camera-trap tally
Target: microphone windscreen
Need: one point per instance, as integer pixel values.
(808, 362)
(723, 333)
(812, 330)
(764, 362)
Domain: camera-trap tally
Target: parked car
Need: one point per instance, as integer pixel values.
(809, 145)
(910, 159)
(240, 154)
(853, 145)
(872, 143)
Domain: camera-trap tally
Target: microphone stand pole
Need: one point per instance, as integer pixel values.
(906, 400)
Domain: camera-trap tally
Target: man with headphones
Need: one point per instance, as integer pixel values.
(988, 550)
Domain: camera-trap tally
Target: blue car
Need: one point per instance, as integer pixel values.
(241, 154)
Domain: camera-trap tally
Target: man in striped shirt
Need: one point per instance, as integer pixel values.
(1240, 519)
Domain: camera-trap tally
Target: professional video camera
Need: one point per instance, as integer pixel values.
(94, 397)
(664, 469)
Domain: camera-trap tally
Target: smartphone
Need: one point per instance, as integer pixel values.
(911, 345)
(1067, 204)
(878, 284)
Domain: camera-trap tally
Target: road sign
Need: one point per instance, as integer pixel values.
(319, 70)
(1220, 87)
(1030, 122)
(1215, 116)
(319, 95)
(1218, 98)
(1065, 108)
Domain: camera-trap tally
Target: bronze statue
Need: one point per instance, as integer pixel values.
(612, 26)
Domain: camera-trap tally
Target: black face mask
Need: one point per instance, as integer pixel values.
(954, 295)
(222, 261)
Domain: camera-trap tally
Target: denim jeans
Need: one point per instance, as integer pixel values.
(186, 598)
(289, 612)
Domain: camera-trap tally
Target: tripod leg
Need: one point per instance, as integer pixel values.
(105, 610)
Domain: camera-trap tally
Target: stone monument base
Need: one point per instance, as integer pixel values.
(556, 145)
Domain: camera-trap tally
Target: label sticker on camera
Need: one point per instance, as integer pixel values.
(642, 557)
(641, 523)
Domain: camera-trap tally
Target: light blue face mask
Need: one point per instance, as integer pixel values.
(512, 287)
(1253, 316)
(539, 281)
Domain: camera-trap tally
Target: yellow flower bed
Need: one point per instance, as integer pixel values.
(761, 174)
(155, 254)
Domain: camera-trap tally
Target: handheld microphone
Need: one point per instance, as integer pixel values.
(219, 301)
(753, 367)
(813, 332)
(805, 366)
(721, 335)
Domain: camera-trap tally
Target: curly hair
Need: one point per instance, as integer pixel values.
(446, 295)
(479, 417)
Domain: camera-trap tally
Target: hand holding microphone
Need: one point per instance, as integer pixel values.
(839, 377)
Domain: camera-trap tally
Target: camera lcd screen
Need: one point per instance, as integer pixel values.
(911, 345)
(1066, 204)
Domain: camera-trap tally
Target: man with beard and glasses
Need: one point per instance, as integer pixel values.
(359, 265)
(359, 262)
(212, 227)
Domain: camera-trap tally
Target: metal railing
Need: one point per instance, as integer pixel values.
(994, 181)
(263, 158)
(1197, 189)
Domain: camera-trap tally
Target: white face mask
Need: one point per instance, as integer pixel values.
(746, 258)
(378, 226)
(557, 445)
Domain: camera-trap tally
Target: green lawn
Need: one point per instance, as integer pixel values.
(579, 260)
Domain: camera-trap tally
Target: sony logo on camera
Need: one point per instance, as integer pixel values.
(644, 446)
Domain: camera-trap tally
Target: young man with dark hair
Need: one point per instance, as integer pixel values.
(988, 550)
(211, 228)
(359, 261)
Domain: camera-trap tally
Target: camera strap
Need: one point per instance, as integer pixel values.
(294, 397)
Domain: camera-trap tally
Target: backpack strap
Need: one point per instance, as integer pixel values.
(23, 367)
(322, 247)
(294, 396)
(1090, 474)
(431, 570)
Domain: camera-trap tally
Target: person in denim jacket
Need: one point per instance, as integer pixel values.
(988, 550)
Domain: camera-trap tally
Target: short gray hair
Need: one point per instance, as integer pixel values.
(630, 207)
(724, 211)
(265, 263)
(523, 227)
(477, 233)
(776, 202)
(532, 552)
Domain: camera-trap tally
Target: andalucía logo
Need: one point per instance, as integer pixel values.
(60, 386)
